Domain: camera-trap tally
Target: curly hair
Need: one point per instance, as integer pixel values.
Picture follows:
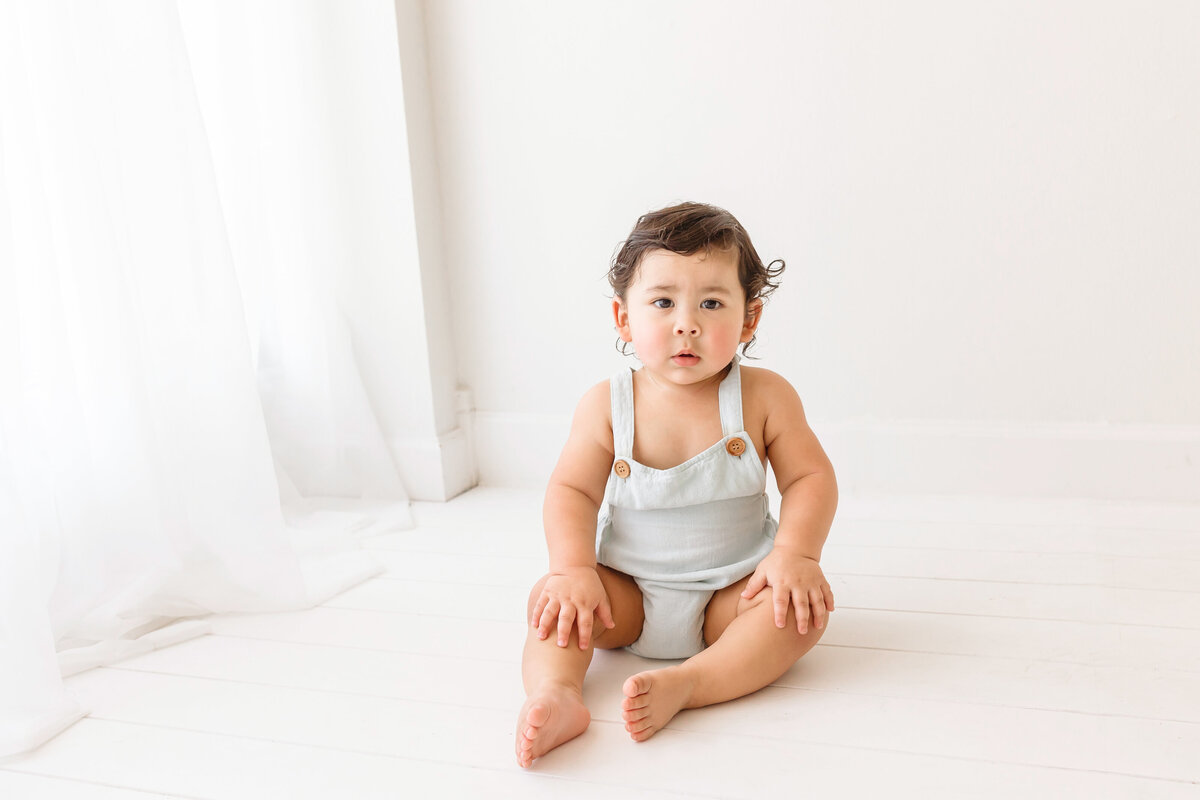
(686, 229)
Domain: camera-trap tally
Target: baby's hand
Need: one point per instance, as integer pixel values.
(795, 579)
(571, 596)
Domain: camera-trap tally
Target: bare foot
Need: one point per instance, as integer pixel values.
(551, 716)
(652, 699)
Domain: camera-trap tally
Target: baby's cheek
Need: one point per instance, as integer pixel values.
(655, 341)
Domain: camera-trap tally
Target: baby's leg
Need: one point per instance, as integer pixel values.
(747, 653)
(554, 712)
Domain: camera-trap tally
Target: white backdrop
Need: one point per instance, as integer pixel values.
(988, 213)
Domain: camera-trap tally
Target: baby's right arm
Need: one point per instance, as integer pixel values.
(573, 591)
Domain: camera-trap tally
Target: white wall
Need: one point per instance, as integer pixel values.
(988, 212)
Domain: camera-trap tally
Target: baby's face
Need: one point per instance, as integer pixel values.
(686, 315)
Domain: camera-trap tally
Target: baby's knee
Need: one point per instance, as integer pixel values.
(762, 605)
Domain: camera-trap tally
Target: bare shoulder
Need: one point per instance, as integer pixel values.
(792, 448)
(772, 402)
(764, 381)
(593, 416)
(587, 456)
(769, 393)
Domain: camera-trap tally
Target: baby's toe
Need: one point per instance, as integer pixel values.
(636, 685)
(637, 726)
(638, 701)
(642, 735)
(537, 716)
(635, 715)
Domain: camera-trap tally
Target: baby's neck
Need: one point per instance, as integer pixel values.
(688, 393)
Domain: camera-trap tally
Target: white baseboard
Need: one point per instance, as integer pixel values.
(436, 468)
(1139, 463)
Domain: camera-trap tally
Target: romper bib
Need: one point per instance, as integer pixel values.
(683, 533)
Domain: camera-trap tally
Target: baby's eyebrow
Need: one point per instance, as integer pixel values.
(670, 287)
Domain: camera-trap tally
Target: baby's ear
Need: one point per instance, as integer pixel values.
(753, 317)
(621, 318)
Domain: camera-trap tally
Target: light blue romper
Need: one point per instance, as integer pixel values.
(683, 533)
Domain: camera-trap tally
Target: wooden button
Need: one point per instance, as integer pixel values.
(735, 446)
(621, 468)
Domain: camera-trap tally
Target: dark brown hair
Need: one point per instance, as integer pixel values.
(688, 228)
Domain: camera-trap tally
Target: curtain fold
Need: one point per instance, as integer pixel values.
(183, 429)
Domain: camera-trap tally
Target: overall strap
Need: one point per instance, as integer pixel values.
(729, 396)
(621, 392)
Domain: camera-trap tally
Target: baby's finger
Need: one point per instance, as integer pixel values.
(604, 611)
(549, 614)
(536, 614)
(801, 603)
(781, 607)
(566, 618)
(585, 630)
(817, 601)
(828, 592)
(756, 584)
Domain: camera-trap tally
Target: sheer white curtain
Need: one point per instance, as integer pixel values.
(183, 429)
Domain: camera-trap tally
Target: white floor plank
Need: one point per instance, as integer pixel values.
(981, 647)
(495, 570)
(1140, 607)
(1013, 683)
(381, 630)
(1098, 644)
(486, 537)
(758, 767)
(22, 785)
(435, 731)
(174, 761)
(439, 734)
(482, 682)
(466, 600)
(1055, 569)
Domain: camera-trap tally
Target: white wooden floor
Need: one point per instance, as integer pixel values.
(980, 648)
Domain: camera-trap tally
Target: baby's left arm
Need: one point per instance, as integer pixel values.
(806, 481)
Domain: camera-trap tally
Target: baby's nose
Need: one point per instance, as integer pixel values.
(686, 325)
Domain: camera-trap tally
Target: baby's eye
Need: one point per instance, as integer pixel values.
(662, 302)
(710, 304)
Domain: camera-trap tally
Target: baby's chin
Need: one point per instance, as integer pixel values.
(702, 372)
